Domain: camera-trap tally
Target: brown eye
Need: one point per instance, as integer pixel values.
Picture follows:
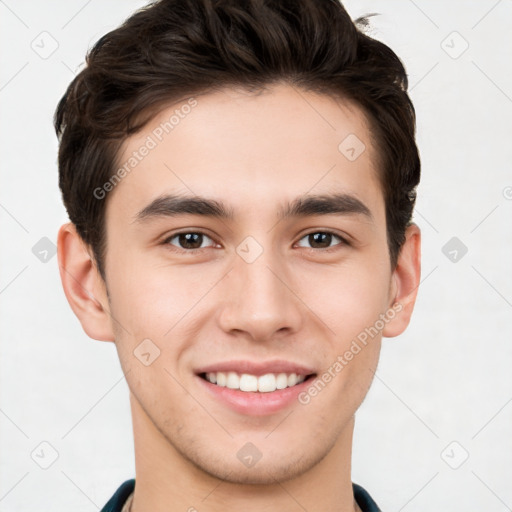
(189, 240)
(321, 240)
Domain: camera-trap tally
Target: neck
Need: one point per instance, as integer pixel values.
(167, 481)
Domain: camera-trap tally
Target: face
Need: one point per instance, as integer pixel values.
(249, 241)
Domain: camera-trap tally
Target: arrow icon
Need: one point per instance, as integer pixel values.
(249, 253)
(44, 455)
(44, 44)
(249, 455)
(44, 250)
(351, 147)
(146, 352)
(450, 455)
(454, 249)
(454, 45)
(454, 455)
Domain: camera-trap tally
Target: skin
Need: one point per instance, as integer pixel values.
(254, 153)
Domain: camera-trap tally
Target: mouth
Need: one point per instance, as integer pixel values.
(255, 388)
(249, 383)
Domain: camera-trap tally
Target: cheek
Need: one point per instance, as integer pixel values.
(154, 297)
(347, 299)
(164, 304)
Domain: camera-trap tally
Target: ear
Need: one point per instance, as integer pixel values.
(405, 282)
(83, 285)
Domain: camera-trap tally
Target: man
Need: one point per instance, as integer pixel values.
(240, 179)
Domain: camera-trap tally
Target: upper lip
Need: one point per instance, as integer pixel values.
(257, 368)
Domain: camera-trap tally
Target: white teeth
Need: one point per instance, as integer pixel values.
(266, 383)
(233, 381)
(251, 383)
(248, 382)
(281, 381)
(217, 378)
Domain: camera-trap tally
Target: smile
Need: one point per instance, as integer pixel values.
(252, 383)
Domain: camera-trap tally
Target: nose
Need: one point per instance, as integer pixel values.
(260, 299)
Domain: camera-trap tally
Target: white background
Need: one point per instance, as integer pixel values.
(448, 378)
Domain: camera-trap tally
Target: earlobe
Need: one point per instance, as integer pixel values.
(83, 285)
(405, 282)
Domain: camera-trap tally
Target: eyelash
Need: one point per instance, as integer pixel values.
(343, 241)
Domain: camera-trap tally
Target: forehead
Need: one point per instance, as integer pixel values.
(251, 150)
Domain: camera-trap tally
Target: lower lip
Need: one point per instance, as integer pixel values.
(256, 403)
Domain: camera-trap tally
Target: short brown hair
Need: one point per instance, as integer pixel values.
(177, 48)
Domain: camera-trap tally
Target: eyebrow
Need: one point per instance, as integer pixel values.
(308, 205)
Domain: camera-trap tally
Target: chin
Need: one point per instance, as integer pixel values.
(269, 470)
